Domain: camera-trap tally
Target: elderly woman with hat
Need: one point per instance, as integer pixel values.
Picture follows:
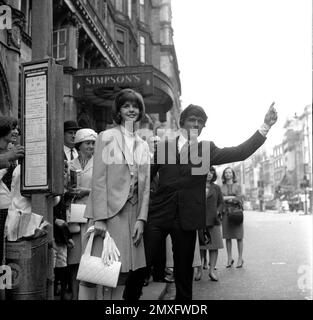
(119, 197)
(82, 166)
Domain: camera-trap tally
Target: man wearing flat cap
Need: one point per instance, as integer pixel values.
(178, 205)
(70, 128)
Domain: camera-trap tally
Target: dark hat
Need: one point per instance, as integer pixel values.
(71, 125)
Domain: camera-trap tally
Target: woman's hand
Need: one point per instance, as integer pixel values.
(138, 232)
(100, 228)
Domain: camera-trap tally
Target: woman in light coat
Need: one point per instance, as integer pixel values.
(120, 189)
(83, 166)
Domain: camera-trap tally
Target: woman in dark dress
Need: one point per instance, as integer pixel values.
(232, 193)
(210, 238)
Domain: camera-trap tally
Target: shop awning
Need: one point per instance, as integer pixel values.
(98, 87)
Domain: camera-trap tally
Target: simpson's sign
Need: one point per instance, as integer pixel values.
(5, 17)
(131, 80)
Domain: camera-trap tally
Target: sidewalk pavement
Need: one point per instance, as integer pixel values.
(154, 291)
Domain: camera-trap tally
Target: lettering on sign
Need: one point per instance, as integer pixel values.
(113, 79)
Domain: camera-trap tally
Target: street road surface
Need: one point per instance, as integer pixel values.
(277, 262)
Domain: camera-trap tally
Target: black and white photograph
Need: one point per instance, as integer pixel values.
(155, 151)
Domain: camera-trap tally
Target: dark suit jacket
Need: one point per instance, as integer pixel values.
(181, 193)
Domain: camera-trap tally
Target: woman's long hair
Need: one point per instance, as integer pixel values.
(224, 178)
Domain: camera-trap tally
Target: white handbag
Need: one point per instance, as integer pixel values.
(76, 213)
(103, 271)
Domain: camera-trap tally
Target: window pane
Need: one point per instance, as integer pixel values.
(55, 38)
(129, 9)
(119, 5)
(142, 11)
(55, 52)
(142, 49)
(62, 52)
(120, 35)
(62, 36)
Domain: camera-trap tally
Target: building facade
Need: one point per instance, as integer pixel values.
(103, 46)
(282, 172)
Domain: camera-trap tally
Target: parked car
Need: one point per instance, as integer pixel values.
(271, 205)
(295, 204)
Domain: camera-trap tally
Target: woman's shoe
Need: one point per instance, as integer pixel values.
(213, 277)
(198, 274)
(229, 265)
(240, 265)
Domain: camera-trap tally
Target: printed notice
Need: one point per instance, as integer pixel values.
(36, 128)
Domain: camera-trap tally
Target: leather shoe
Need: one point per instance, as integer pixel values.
(169, 278)
(213, 277)
(240, 265)
(229, 265)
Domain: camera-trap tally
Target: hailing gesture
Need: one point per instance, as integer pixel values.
(271, 116)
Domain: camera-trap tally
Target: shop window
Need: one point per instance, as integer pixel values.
(59, 44)
(142, 10)
(142, 53)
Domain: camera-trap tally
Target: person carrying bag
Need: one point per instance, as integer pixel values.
(234, 211)
(102, 271)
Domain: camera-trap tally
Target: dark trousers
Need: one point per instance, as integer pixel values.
(183, 253)
(158, 268)
(134, 284)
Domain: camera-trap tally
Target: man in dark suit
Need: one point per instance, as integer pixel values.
(70, 129)
(178, 206)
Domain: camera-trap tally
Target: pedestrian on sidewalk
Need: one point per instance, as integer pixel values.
(62, 231)
(178, 207)
(119, 197)
(232, 194)
(79, 193)
(210, 238)
(9, 133)
(70, 129)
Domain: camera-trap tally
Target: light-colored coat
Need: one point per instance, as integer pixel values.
(111, 177)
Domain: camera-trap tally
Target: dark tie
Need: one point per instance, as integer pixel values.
(72, 154)
(7, 178)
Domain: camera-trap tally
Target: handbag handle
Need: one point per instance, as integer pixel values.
(90, 240)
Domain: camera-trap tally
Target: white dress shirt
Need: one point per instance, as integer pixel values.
(181, 141)
(129, 141)
(67, 152)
